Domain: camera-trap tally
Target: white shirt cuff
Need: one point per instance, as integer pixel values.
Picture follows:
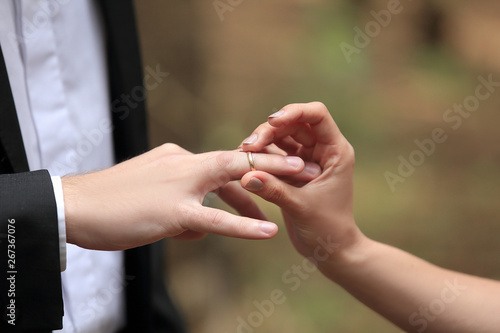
(61, 219)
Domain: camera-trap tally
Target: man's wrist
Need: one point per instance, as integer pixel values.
(61, 219)
(69, 186)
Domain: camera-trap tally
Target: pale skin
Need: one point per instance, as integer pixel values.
(413, 294)
(160, 193)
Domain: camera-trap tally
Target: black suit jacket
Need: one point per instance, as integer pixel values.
(30, 281)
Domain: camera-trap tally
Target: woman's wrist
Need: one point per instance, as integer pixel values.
(348, 257)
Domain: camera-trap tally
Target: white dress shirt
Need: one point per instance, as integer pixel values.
(55, 56)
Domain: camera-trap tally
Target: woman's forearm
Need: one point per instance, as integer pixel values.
(414, 294)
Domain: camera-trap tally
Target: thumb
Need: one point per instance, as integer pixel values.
(270, 188)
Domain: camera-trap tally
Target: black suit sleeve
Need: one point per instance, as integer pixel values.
(30, 277)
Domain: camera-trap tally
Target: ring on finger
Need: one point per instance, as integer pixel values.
(251, 161)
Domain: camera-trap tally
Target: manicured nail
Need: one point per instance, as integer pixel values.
(293, 161)
(254, 185)
(251, 139)
(277, 114)
(268, 227)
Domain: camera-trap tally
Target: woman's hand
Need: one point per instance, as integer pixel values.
(408, 291)
(321, 208)
(160, 194)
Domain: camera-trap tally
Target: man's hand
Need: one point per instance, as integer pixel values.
(160, 194)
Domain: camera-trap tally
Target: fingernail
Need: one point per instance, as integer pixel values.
(277, 114)
(312, 169)
(239, 148)
(254, 184)
(293, 161)
(251, 139)
(268, 228)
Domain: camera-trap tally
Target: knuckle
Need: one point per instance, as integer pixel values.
(275, 193)
(170, 146)
(216, 220)
(224, 159)
(349, 155)
(300, 207)
(167, 159)
(196, 219)
(185, 219)
(265, 129)
(320, 106)
(223, 163)
(215, 168)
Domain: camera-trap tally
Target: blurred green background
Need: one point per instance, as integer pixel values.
(227, 75)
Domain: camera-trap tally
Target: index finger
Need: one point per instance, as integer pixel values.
(315, 114)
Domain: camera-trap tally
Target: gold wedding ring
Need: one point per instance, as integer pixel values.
(250, 161)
